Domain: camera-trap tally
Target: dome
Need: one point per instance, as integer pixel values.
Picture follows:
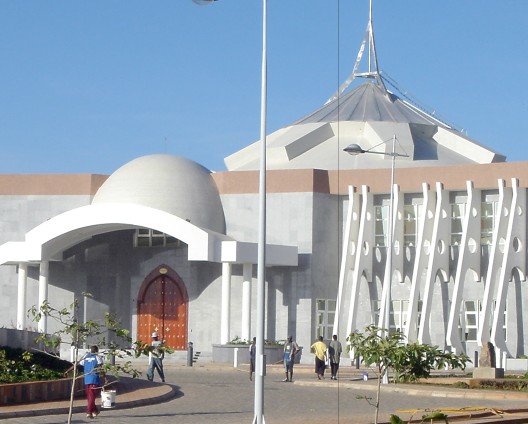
(169, 183)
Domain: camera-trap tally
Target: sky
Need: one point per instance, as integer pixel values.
(87, 86)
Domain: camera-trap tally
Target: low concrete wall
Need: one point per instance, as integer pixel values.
(21, 339)
(226, 354)
(39, 391)
(516, 364)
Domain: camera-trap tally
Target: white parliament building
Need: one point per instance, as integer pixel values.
(168, 245)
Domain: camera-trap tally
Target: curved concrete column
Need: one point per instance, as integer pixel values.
(247, 275)
(43, 293)
(21, 296)
(225, 317)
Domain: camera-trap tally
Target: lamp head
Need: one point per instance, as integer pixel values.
(203, 2)
(354, 149)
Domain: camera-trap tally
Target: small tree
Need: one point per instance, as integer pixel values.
(388, 352)
(105, 333)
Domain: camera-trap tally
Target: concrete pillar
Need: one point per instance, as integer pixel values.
(43, 293)
(225, 317)
(22, 294)
(246, 301)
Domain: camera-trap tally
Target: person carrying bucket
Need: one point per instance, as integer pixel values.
(156, 356)
(92, 363)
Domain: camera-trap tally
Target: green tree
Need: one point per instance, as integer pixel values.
(388, 352)
(106, 333)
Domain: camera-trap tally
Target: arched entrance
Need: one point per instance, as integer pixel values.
(162, 307)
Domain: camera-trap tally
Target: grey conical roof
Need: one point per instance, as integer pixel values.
(369, 102)
(369, 116)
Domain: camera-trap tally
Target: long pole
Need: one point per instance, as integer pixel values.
(260, 360)
(390, 246)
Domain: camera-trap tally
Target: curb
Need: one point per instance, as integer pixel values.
(163, 393)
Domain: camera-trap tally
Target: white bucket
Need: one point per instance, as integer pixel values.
(108, 399)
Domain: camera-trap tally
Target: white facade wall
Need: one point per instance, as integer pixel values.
(19, 214)
(454, 286)
(434, 282)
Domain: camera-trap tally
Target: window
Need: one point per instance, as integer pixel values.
(399, 317)
(398, 314)
(488, 216)
(410, 223)
(146, 237)
(471, 316)
(457, 216)
(325, 314)
(381, 225)
(472, 309)
(375, 308)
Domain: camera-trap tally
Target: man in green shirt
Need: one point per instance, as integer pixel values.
(334, 355)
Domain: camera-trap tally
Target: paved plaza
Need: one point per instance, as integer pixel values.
(212, 393)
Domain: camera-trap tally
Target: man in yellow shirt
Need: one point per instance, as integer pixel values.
(319, 348)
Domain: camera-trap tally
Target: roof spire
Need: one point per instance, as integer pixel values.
(373, 71)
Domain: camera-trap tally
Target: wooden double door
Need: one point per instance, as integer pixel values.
(162, 308)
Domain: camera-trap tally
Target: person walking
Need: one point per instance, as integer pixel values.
(319, 348)
(290, 349)
(92, 363)
(156, 356)
(334, 353)
(252, 353)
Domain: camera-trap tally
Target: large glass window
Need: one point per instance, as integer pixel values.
(411, 212)
(488, 216)
(457, 217)
(399, 315)
(325, 314)
(381, 225)
(471, 317)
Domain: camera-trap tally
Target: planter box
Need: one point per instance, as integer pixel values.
(39, 391)
(516, 364)
(226, 354)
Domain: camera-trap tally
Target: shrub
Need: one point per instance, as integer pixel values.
(17, 365)
(238, 341)
(461, 385)
(500, 384)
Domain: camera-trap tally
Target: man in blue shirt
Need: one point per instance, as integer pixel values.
(290, 349)
(92, 364)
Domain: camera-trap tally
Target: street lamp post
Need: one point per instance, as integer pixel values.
(260, 359)
(355, 149)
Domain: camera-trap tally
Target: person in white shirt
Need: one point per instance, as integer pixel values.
(156, 356)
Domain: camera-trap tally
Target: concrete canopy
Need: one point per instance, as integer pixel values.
(48, 240)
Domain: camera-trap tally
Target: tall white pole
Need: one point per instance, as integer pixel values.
(260, 360)
(390, 248)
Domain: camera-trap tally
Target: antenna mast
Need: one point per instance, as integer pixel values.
(373, 71)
